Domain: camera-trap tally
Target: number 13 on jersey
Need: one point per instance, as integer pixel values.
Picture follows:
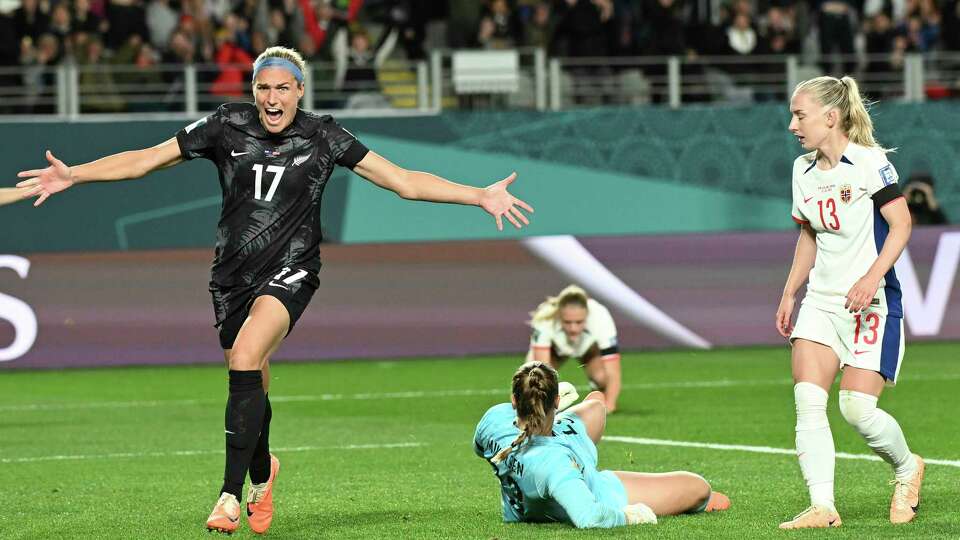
(831, 206)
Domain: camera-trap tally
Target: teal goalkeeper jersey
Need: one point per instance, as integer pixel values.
(550, 478)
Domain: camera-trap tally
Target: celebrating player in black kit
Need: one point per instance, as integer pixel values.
(273, 161)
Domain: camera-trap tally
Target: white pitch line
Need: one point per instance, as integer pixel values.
(176, 453)
(100, 405)
(755, 449)
(413, 394)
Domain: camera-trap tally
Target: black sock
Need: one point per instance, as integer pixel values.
(260, 464)
(242, 421)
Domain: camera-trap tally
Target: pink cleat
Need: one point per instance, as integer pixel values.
(260, 500)
(814, 517)
(225, 516)
(906, 496)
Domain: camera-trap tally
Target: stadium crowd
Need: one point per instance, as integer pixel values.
(359, 34)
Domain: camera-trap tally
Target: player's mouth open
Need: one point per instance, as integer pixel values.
(273, 114)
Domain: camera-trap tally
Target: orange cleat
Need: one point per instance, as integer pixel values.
(906, 496)
(814, 517)
(225, 517)
(260, 500)
(717, 503)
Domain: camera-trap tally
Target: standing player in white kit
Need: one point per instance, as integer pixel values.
(854, 225)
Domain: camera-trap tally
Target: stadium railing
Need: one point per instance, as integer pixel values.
(675, 81)
(515, 79)
(111, 92)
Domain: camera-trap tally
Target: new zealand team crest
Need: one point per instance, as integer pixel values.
(846, 193)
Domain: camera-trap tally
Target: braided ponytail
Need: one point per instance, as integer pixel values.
(535, 390)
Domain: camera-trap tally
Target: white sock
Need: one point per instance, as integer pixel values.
(815, 442)
(880, 430)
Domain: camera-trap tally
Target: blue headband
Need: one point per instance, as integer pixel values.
(273, 61)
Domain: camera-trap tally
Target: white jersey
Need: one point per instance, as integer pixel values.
(599, 330)
(843, 206)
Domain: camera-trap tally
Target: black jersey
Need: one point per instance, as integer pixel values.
(272, 184)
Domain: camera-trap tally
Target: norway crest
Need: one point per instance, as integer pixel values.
(846, 193)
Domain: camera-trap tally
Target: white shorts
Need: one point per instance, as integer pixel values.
(866, 340)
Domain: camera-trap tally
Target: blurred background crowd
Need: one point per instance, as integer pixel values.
(358, 35)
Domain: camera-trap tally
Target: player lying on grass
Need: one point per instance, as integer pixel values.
(546, 462)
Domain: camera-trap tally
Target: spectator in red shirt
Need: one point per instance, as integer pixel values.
(234, 64)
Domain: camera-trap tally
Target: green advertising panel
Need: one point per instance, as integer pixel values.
(589, 172)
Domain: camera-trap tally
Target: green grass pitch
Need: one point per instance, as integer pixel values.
(384, 449)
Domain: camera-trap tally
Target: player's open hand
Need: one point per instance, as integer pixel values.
(498, 202)
(861, 294)
(45, 182)
(785, 316)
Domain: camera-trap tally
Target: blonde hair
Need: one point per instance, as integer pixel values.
(286, 53)
(844, 95)
(535, 390)
(550, 308)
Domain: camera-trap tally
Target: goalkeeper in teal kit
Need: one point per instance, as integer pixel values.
(546, 462)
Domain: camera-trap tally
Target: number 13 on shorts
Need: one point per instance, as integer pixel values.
(873, 341)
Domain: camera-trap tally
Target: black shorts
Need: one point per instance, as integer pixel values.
(592, 352)
(293, 287)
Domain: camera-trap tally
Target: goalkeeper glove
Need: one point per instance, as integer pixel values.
(639, 514)
(568, 395)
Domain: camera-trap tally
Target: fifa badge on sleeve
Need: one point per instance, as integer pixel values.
(888, 175)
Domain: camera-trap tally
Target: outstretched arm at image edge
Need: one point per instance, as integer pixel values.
(122, 166)
(14, 194)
